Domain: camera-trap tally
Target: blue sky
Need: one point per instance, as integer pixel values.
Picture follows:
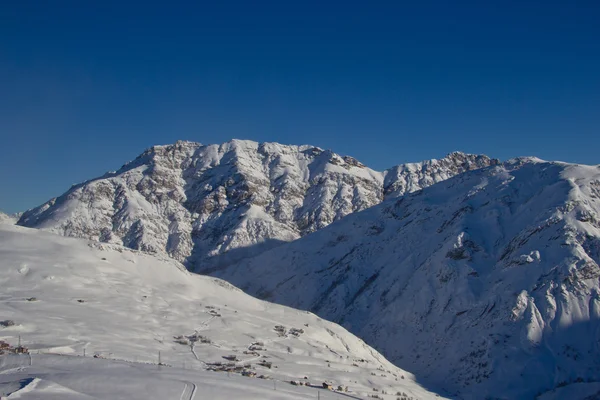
(85, 88)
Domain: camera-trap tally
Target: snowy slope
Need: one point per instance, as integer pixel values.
(66, 296)
(55, 377)
(486, 284)
(211, 205)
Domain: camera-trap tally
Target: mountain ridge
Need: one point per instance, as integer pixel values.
(197, 202)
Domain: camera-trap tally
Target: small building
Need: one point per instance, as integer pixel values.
(249, 374)
(21, 350)
(4, 347)
(327, 386)
(266, 364)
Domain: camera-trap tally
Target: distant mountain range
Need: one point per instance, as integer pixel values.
(209, 206)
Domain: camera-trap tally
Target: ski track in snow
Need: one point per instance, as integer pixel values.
(189, 391)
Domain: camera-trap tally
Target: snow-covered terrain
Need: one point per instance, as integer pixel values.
(487, 284)
(66, 296)
(9, 218)
(482, 278)
(55, 377)
(209, 206)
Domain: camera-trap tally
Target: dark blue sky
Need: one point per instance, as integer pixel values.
(84, 88)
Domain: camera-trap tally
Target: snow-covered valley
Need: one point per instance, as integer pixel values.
(68, 297)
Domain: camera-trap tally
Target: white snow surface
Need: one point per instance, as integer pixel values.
(66, 296)
(211, 205)
(485, 284)
(9, 218)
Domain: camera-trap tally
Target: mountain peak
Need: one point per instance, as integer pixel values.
(410, 177)
(192, 201)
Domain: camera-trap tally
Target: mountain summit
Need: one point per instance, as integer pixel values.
(211, 205)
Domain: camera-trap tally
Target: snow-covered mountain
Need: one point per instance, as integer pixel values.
(211, 205)
(480, 277)
(487, 284)
(67, 298)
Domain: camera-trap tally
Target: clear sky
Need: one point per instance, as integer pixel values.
(85, 88)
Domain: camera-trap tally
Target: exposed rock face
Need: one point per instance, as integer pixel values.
(487, 283)
(211, 205)
(408, 178)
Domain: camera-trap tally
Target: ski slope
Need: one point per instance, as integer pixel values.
(69, 296)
